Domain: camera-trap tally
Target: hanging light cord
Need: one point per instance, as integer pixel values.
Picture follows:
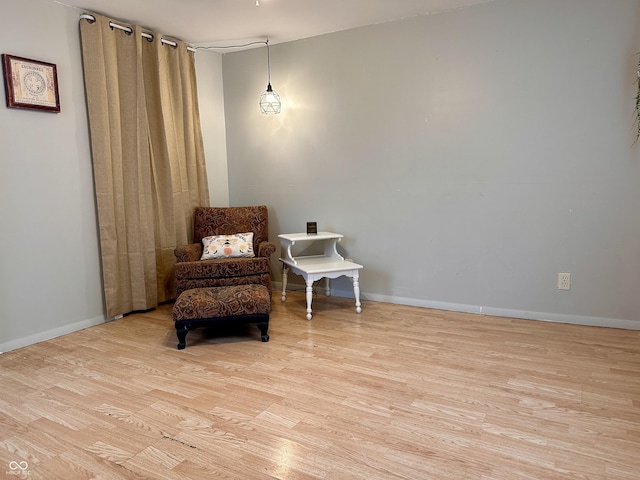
(269, 100)
(265, 42)
(268, 62)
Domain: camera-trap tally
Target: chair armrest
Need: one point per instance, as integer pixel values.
(265, 249)
(188, 253)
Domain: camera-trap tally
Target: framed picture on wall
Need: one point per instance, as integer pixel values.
(30, 84)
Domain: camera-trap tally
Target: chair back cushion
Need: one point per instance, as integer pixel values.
(209, 221)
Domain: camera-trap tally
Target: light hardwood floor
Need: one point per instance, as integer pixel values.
(393, 393)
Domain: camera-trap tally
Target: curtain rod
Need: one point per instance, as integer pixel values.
(148, 36)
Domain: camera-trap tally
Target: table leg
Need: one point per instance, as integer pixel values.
(356, 293)
(309, 297)
(285, 272)
(327, 287)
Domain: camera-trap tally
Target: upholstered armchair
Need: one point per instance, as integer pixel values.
(194, 272)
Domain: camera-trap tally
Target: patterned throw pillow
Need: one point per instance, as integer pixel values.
(227, 246)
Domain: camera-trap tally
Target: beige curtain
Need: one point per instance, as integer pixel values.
(148, 159)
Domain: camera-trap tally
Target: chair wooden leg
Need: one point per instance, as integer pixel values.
(182, 335)
(264, 327)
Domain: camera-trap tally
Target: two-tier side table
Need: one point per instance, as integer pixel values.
(314, 267)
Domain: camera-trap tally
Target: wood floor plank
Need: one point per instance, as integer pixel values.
(396, 392)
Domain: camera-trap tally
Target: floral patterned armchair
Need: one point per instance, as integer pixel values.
(192, 272)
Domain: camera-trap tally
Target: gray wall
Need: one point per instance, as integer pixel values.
(50, 277)
(211, 99)
(468, 157)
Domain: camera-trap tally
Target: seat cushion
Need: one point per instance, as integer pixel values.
(223, 267)
(222, 302)
(189, 283)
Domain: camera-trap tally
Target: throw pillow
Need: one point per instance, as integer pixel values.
(227, 246)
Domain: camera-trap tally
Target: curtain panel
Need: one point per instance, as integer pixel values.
(148, 158)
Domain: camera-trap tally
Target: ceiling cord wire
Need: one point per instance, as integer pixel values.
(214, 47)
(148, 36)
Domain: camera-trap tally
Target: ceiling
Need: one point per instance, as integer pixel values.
(230, 22)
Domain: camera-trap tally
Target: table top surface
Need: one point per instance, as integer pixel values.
(292, 237)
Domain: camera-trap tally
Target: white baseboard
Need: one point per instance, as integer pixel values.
(454, 307)
(49, 334)
(493, 311)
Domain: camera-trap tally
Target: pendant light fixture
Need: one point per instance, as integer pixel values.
(269, 100)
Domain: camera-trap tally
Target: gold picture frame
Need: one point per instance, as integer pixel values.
(30, 84)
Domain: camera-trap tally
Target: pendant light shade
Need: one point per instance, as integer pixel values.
(269, 100)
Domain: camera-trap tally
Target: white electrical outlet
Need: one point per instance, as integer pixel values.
(564, 281)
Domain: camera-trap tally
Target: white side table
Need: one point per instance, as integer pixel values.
(314, 267)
